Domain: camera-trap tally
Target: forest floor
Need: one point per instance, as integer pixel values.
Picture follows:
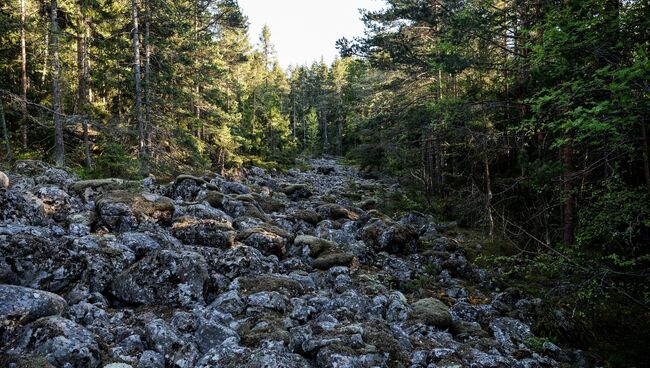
(295, 269)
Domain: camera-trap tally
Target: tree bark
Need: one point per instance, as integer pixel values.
(46, 57)
(569, 197)
(138, 85)
(82, 67)
(9, 153)
(488, 196)
(59, 148)
(147, 80)
(23, 53)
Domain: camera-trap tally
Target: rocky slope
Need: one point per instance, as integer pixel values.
(280, 270)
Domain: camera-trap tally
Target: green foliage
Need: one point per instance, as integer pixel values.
(616, 219)
(115, 161)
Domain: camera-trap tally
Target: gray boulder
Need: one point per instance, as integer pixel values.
(21, 305)
(163, 277)
(209, 233)
(38, 262)
(24, 305)
(62, 342)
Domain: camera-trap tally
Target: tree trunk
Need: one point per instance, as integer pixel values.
(293, 122)
(46, 57)
(23, 52)
(569, 198)
(488, 196)
(59, 148)
(5, 134)
(82, 66)
(339, 133)
(138, 86)
(147, 80)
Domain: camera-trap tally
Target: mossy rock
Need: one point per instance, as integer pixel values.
(265, 327)
(215, 199)
(268, 204)
(317, 246)
(281, 284)
(264, 227)
(30, 167)
(368, 204)
(24, 362)
(336, 212)
(196, 179)
(301, 190)
(327, 261)
(105, 185)
(309, 216)
(432, 312)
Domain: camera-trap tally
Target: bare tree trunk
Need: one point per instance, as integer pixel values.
(303, 117)
(23, 52)
(82, 66)
(488, 196)
(339, 135)
(293, 123)
(569, 210)
(147, 80)
(59, 148)
(46, 57)
(197, 87)
(5, 134)
(138, 85)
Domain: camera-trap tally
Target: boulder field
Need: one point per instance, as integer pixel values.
(295, 269)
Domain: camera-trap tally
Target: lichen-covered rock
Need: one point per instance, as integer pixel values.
(164, 277)
(122, 211)
(392, 238)
(105, 257)
(23, 206)
(209, 233)
(432, 312)
(202, 211)
(243, 206)
(212, 333)
(280, 283)
(268, 239)
(296, 191)
(56, 176)
(141, 244)
(327, 261)
(308, 216)
(509, 332)
(151, 359)
(185, 187)
(38, 262)
(20, 305)
(335, 212)
(293, 275)
(62, 342)
(104, 185)
(244, 261)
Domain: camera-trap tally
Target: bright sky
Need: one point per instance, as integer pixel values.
(305, 30)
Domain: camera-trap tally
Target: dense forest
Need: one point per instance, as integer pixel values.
(526, 120)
